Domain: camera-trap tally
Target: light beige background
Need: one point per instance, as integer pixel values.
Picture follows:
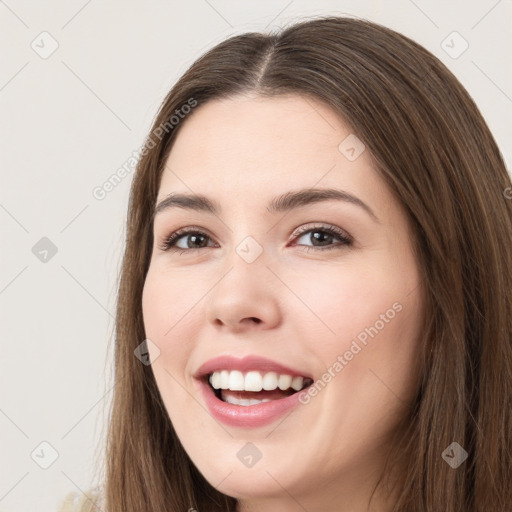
(68, 121)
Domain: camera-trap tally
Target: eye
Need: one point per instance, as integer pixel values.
(323, 235)
(192, 239)
(196, 240)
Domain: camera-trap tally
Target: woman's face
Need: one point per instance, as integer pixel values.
(282, 282)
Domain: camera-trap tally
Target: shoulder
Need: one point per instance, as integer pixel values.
(77, 501)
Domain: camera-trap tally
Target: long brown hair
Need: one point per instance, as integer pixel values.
(435, 151)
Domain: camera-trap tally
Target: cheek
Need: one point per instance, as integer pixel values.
(167, 315)
(369, 364)
(168, 302)
(367, 313)
(165, 319)
(343, 301)
(379, 345)
(154, 310)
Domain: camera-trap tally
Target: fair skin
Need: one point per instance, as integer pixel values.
(296, 303)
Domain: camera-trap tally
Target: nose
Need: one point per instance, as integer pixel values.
(245, 297)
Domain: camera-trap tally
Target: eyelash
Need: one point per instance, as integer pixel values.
(169, 243)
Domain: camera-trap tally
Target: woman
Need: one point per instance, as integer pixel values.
(314, 310)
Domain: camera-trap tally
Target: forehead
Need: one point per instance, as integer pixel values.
(249, 147)
(256, 128)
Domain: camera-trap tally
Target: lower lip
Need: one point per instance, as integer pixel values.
(247, 416)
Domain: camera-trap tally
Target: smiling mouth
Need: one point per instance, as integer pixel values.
(247, 398)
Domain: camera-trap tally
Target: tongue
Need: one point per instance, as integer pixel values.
(276, 394)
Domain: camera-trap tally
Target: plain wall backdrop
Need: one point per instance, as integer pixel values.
(80, 83)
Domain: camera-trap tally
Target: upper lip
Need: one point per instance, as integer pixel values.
(245, 364)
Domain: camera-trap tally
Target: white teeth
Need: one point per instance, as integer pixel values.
(297, 383)
(224, 379)
(270, 381)
(244, 401)
(285, 381)
(215, 380)
(254, 381)
(236, 381)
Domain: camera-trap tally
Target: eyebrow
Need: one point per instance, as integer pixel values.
(283, 203)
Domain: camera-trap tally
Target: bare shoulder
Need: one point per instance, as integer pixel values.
(76, 501)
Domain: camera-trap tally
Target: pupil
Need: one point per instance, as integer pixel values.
(194, 238)
(318, 236)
